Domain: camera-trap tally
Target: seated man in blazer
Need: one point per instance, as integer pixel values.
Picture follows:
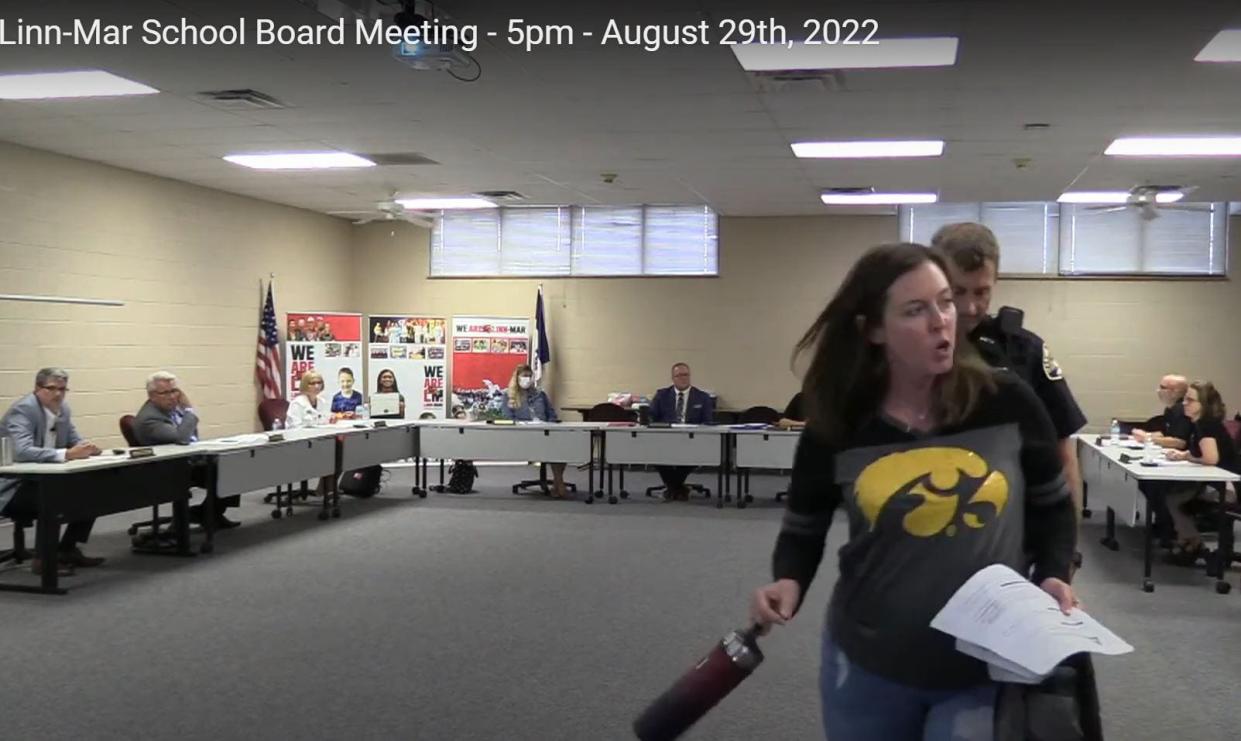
(680, 403)
(168, 419)
(42, 432)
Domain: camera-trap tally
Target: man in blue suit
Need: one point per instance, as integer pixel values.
(680, 403)
(42, 432)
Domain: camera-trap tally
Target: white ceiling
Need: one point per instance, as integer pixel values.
(683, 125)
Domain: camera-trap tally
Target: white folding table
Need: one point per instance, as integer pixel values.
(1114, 481)
(547, 442)
(678, 445)
(769, 449)
(102, 485)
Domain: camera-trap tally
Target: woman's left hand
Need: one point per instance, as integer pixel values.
(1177, 455)
(1062, 592)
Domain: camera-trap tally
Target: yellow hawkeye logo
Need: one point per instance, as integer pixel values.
(941, 478)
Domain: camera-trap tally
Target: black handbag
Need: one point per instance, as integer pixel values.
(1063, 707)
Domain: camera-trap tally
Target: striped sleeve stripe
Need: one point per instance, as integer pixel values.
(799, 524)
(1049, 493)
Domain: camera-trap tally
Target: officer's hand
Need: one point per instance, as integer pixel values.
(1139, 435)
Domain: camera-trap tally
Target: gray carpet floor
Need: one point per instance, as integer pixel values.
(493, 616)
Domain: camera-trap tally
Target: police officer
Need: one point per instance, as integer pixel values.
(973, 257)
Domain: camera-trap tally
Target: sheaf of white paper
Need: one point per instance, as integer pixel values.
(999, 668)
(1003, 612)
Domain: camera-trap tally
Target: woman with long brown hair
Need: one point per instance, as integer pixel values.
(943, 467)
(1210, 444)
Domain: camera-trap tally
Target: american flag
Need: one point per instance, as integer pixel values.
(267, 360)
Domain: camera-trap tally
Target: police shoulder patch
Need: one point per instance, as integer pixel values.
(1050, 367)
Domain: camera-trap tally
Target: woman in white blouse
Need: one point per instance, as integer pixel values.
(311, 407)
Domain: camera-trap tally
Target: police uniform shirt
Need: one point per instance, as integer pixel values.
(926, 512)
(1025, 353)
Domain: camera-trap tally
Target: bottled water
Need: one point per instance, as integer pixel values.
(277, 424)
(1115, 431)
(1153, 451)
(362, 412)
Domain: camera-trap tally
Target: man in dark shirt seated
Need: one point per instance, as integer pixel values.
(680, 403)
(1175, 428)
(167, 418)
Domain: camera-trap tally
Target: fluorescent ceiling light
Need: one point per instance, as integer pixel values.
(443, 204)
(1095, 196)
(846, 150)
(1114, 196)
(90, 83)
(940, 51)
(299, 160)
(1225, 47)
(1176, 146)
(862, 199)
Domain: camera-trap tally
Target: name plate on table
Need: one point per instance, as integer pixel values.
(275, 437)
(141, 453)
(379, 423)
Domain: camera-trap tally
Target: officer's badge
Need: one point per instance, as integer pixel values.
(1050, 367)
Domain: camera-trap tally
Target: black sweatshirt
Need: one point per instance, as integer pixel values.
(926, 512)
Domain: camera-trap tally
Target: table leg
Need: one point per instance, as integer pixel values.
(208, 508)
(1109, 538)
(1148, 553)
(48, 533)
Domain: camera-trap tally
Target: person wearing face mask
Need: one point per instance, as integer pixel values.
(943, 467)
(528, 403)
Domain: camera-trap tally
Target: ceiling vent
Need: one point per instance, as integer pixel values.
(240, 100)
(393, 159)
(798, 81)
(501, 196)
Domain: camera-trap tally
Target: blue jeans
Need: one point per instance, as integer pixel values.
(860, 706)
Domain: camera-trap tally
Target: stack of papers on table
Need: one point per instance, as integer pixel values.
(1000, 617)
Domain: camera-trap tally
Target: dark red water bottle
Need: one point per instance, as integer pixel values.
(733, 659)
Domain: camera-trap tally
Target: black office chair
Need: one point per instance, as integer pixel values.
(271, 410)
(609, 412)
(156, 521)
(698, 488)
(758, 415)
(540, 483)
(18, 553)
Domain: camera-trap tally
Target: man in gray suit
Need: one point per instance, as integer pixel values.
(167, 418)
(42, 432)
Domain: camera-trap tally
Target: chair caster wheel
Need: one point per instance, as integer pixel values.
(322, 515)
(1111, 544)
(133, 529)
(589, 500)
(422, 494)
(728, 497)
(1148, 586)
(288, 512)
(1086, 514)
(598, 495)
(515, 490)
(624, 494)
(1222, 587)
(612, 500)
(206, 548)
(742, 504)
(336, 513)
(749, 498)
(276, 514)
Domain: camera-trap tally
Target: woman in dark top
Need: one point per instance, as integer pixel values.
(1210, 445)
(943, 467)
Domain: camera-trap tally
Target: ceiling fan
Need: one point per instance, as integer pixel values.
(1149, 200)
(386, 210)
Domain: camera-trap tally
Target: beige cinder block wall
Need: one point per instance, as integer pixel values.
(185, 260)
(1113, 338)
